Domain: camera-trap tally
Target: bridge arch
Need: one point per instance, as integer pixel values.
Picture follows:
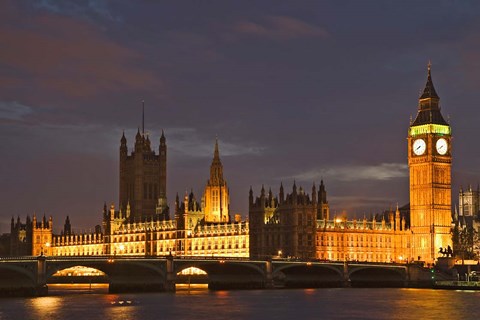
(111, 268)
(307, 275)
(227, 274)
(17, 273)
(220, 266)
(376, 276)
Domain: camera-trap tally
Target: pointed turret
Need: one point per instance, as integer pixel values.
(162, 138)
(127, 214)
(177, 202)
(397, 219)
(138, 142)
(123, 152)
(314, 193)
(147, 143)
(250, 196)
(67, 227)
(429, 91)
(162, 195)
(282, 194)
(270, 197)
(138, 136)
(322, 194)
(428, 107)
(216, 154)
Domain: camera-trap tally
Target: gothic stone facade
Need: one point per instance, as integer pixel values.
(298, 226)
(143, 178)
(287, 226)
(196, 230)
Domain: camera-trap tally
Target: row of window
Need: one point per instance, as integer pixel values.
(370, 257)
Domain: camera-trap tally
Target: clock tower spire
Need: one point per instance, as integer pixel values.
(430, 162)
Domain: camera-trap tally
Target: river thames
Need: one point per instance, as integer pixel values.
(81, 302)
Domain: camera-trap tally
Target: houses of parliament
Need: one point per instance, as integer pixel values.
(290, 224)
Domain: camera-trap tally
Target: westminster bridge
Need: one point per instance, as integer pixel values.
(30, 275)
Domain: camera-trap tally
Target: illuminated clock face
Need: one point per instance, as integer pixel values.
(442, 146)
(419, 147)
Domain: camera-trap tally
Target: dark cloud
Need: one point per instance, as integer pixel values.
(73, 58)
(280, 28)
(84, 8)
(293, 90)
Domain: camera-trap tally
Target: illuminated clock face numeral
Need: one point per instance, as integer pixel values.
(442, 146)
(419, 147)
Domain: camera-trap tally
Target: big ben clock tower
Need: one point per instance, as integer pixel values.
(430, 162)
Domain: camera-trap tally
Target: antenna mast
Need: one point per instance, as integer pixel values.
(143, 117)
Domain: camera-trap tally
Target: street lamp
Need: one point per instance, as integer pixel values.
(47, 245)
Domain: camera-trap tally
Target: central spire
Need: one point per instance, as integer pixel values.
(216, 154)
(216, 169)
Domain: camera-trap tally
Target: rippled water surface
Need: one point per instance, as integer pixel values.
(83, 302)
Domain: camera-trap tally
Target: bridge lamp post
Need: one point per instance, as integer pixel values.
(279, 253)
(47, 245)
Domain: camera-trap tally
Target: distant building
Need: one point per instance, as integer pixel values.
(466, 233)
(469, 204)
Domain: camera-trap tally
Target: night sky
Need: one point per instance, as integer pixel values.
(299, 90)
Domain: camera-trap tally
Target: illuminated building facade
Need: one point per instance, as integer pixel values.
(298, 225)
(195, 231)
(143, 179)
(286, 226)
(32, 237)
(216, 199)
(430, 162)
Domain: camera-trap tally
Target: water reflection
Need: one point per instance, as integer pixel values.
(194, 288)
(46, 306)
(76, 288)
(251, 304)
